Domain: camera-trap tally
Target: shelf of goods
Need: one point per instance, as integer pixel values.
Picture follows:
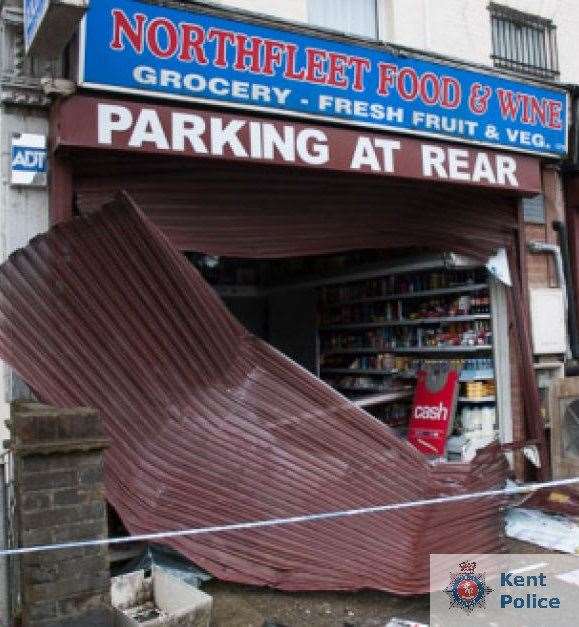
(376, 399)
(465, 376)
(404, 323)
(375, 334)
(407, 350)
(457, 289)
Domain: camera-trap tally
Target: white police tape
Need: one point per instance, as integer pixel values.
(259, 524)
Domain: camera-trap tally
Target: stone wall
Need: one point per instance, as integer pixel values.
(59, 497)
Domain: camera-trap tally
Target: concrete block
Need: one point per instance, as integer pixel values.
(131, 590)
(159, 601)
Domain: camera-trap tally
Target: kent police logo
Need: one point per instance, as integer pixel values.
(467, 589)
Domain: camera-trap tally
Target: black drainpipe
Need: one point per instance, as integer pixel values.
(571, 303)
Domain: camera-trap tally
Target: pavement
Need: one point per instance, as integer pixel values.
(247, 606)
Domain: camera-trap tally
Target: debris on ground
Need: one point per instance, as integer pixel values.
(159, 599)
(560, 500)
(551, 531)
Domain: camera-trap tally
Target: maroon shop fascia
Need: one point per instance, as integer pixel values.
(84, 122)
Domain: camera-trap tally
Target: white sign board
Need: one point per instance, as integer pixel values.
(548, 321)
(29, 160)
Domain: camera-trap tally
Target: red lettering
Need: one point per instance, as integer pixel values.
(478, 99)
(192, 41)
(222, 38)
(290, 70)
(508, 104)
(429, 88)
(361, 65)
(315, 65)
(122, 26)
(526, 117)
(153, 32)
(336, 68)
(248, 53)
(554, 114)
(451, 95)
(403, 91)
(386, 77)
(272, 55)
(539, 110)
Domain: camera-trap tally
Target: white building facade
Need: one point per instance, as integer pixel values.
(462, 29)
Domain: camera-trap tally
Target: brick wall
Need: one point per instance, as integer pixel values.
(541, 270)
(59, 497)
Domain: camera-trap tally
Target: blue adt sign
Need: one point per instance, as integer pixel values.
(29, 162)
(34, 12)
(138, 48)
(29, 159)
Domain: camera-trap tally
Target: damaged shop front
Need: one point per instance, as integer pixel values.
(279, 317)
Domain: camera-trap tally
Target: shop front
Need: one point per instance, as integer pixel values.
(363, 219)
(360, 255)
(225, 185)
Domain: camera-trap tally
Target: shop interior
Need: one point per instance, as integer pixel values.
(367, 321)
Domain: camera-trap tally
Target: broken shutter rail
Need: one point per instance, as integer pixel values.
(209, 425)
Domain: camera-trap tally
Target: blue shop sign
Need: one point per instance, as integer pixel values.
(34, 12)
(139, 48)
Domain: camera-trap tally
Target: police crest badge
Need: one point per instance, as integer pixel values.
(467, 589)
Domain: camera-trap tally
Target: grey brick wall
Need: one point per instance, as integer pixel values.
(59, 497)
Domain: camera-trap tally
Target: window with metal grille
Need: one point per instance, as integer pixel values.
(524, 43)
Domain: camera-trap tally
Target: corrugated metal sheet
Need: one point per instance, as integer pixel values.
(210, 425)
(259, 212)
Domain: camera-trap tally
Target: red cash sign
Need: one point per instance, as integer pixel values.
(432, 414)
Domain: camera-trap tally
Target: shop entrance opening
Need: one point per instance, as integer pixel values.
(368, 323)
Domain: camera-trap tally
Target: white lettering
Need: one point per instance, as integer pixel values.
(194, 82)
(433, 158)
(507, 170)
(418, 117)
(226, 136)
(431, 412)
(325, 102)
(285, 145)
(240, 89)
(261, 92)
(483, 170)
(388, 146)
(281, 94)
(395, 114)
(145, 75)
(365, 155)
(313, 152)
(458, 164)
(170, 78)
(255, 140)
(186, 126)
(148, 130)
(219, 86)
(112, 118)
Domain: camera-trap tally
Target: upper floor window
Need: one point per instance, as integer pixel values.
(354, 17)
(524, 43)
